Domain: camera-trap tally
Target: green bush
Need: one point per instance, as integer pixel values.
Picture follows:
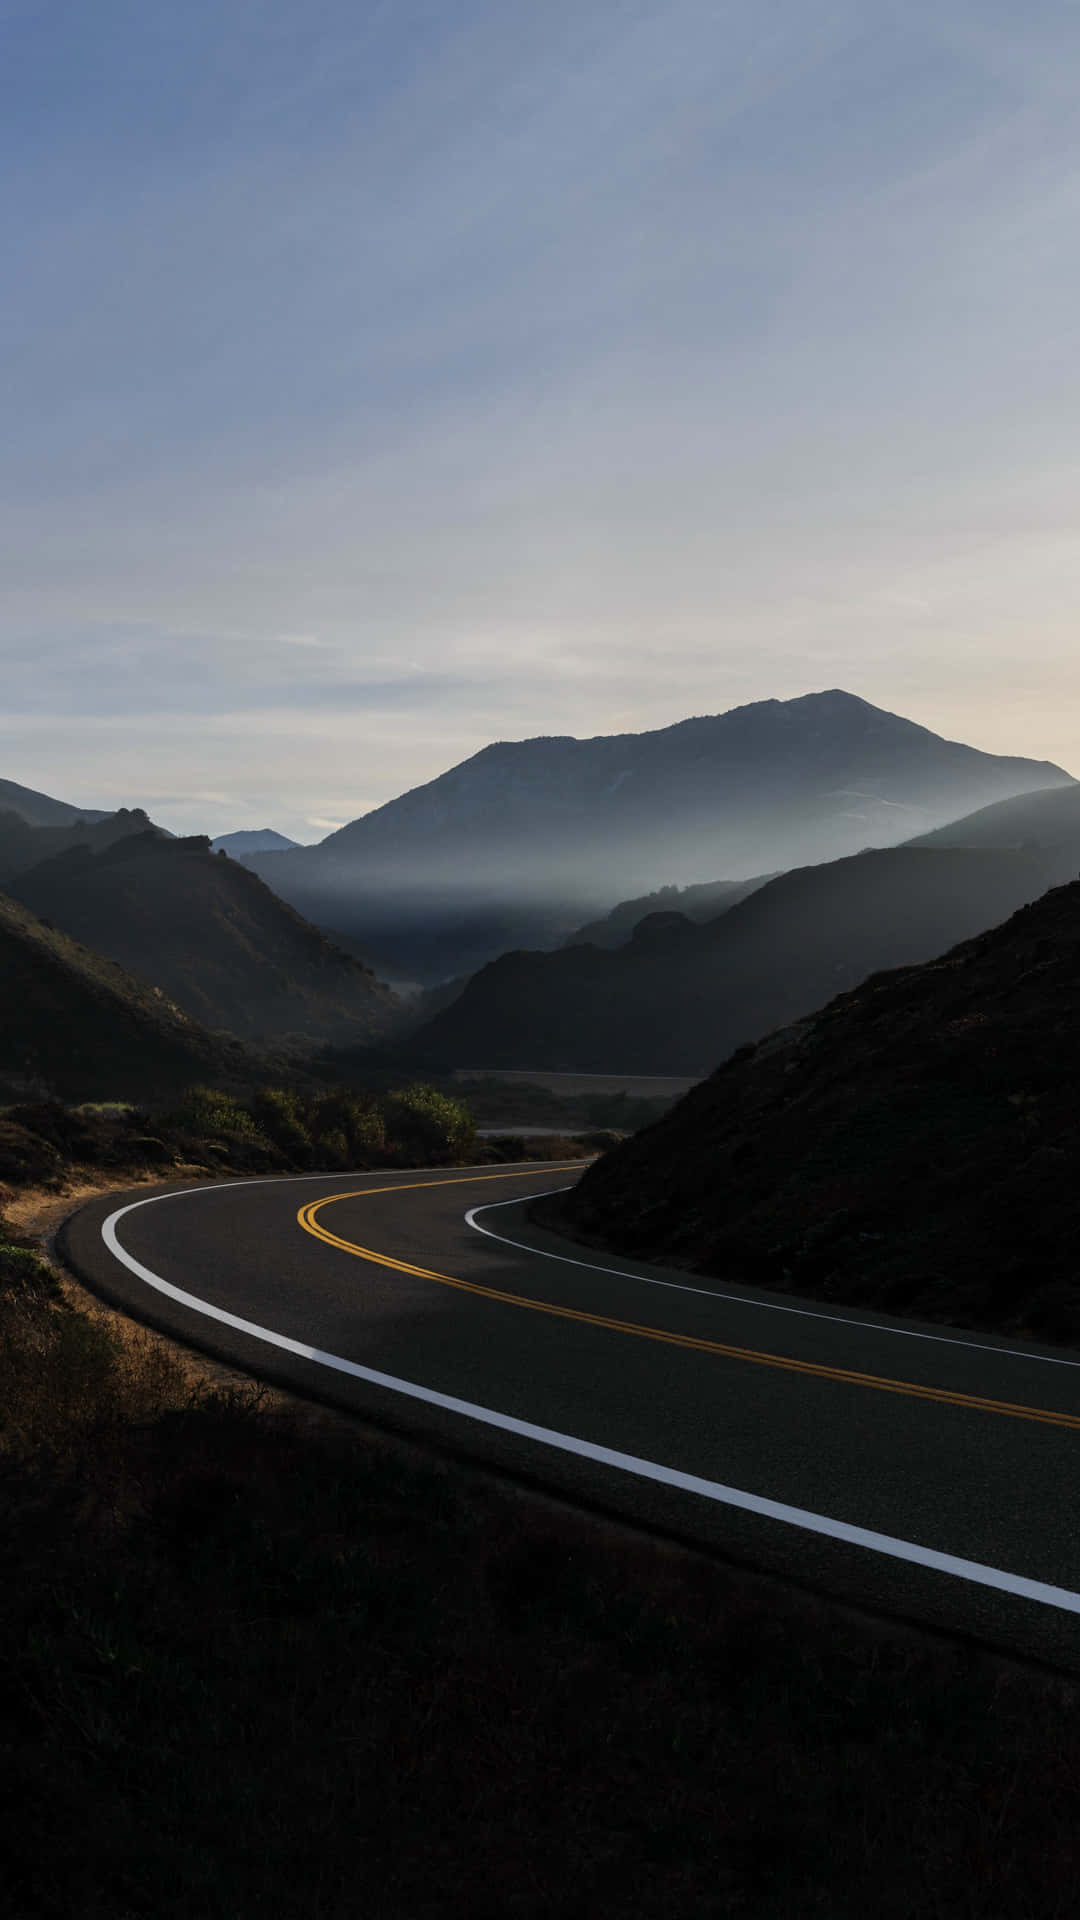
(424, 1124)
(280, 1115)
(332, 1149)
(358, 1118)
(213, 1115)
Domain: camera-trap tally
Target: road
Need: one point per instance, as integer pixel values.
(891, 1464)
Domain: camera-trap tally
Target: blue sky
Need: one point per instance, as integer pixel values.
(382, 379)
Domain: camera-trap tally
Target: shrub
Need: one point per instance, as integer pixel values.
(332, 1149)
(424, 1124)
(25, 1158)
(213, 1115)
(358, 1118)
(280, 1115)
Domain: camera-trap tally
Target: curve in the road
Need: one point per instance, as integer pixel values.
(716, 1492)
(760, 1305)
(307, 1218)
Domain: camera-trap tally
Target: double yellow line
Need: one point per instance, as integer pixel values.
(308, 1219)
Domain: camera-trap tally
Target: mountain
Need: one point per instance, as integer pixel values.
(74, 1025)
(678, 997)
(213, 937)
(23, 846)
(527, 839)
(250, 840)
(701, 902)
(913, 1146)
(39, 810)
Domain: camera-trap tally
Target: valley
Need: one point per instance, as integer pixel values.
(713, 1164)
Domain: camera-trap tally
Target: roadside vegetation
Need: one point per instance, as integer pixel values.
(274, 1130)
(495, 1101)
(254, 1658)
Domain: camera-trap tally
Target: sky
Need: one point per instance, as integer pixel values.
(385, 377)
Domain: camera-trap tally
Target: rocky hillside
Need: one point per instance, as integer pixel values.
(75, 1025)
(213, 937)
(551, 832)
(914, 1146)
(678, 997)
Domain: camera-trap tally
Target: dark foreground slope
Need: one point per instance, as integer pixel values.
(72, 1023)
(678, 997)
(914, 1146)
(213, 936)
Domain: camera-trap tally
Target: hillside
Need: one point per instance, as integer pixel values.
(213, 937)
(40, 809)
(913, 1146)
(74, 1024)
(1047, 820)
(704, 901)
(678, 997)
(23, 846)
(545, 834)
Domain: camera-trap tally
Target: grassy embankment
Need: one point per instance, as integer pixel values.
(254, 1658)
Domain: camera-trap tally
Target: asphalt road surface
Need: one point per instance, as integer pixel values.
(893, 1464)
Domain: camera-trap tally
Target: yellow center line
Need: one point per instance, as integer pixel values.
(307, 1219)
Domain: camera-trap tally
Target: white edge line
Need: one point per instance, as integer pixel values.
(742, 1299)
(629, 1463)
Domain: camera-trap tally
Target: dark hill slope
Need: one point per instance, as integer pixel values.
(568, 827)
(23, 846)
(74, 1024)
(213, 936)
(679, 997)
(914, 1146)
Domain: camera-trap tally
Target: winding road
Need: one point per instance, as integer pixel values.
(889, 1463)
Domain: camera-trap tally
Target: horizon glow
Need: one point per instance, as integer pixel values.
(384, 381)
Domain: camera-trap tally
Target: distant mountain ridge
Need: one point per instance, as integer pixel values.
(698, 902)
(1048, 821)
(678, 997)
(555, 831)
(249, 840)
(866, 768)
(41, 810)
